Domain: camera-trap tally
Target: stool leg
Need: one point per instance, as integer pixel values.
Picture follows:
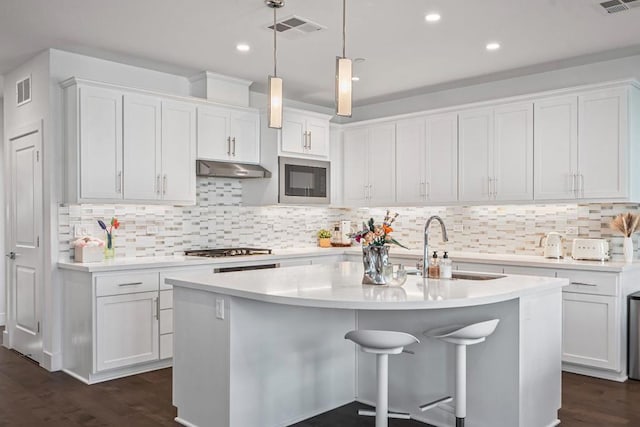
(382, 401)
(461, 384)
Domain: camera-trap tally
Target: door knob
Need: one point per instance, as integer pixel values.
(12, 255)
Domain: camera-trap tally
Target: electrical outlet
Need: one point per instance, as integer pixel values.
(219, 308)
(80, 230)
(572, 231)
(152, 229)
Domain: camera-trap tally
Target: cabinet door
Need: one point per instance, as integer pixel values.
(178, 151)
(590, 330)
(602, 144)
(293, 137)
(245, 136)
(214, 135)
(100, 143)
(382, 164)
(318, 137)
(474, 161)
(126, 330)
(513, 152)
(441, 158)
(141, 147)
(410, 161)
(555, 148)
(356, 159)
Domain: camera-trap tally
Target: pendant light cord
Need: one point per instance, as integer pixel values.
(344, 27)
(275, 57)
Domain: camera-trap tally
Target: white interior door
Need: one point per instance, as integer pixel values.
(25, 265)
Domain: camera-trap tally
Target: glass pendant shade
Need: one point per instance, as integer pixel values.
(343, 86)
(274, 112)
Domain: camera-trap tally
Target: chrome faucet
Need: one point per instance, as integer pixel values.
(445, 238)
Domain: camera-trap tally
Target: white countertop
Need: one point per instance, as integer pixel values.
(339, 286)
(118, 264)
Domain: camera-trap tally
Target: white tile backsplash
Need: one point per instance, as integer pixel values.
(220, 220)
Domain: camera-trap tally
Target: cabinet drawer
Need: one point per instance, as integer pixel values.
(166, 321)
(166, 299)
(126, 283)
(590, 282)
(166, 346)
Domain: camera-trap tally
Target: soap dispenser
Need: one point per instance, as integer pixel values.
(434, 266)
(446, 269)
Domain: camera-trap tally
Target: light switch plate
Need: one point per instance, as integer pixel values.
(80, 230)
(219, 308)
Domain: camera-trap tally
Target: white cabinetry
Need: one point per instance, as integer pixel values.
(228, 134)
(369, 165)
(426, 159)
(127, 146)
(496, 153)
(304, 133)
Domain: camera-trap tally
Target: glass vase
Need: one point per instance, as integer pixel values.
(109, 246)
(375, 259)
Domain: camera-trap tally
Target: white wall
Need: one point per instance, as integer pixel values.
(3, 282)
(597, 72)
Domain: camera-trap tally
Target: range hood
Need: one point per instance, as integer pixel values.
(230, 170)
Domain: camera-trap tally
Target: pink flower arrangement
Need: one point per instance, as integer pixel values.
(377, 235)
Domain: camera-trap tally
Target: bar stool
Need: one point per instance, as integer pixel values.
(382, 344)
(461, 336)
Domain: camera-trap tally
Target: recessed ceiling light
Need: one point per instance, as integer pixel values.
(432, 17)
(355, 78)
(493, 46)
(243, 47)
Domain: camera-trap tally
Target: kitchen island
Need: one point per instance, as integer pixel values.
(266, 347)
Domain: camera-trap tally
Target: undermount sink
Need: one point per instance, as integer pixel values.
(476, 276)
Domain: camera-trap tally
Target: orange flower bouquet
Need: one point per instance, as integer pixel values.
(377, 235)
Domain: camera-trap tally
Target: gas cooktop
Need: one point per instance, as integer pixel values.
(225, 252)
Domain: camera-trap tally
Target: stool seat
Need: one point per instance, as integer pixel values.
(381, 342)
(464, 334)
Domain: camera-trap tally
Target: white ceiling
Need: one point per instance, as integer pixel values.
(403, 53)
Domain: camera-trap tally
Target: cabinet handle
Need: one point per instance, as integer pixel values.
(304, 147)
(130, 284)
(582, 185)
(158, 184)
(119, 182)
(584, 284)
(228, 146)
(489, 192)
(157, 303)
(309, 133)
(427, 190)
(573, 184)
(370, 191)
(234, 146)
(495, 188)
(164, 184)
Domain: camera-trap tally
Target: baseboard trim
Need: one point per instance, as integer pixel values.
(597, 373)
(6, 339)
(52, 362)
(3, 319)
(184, 422)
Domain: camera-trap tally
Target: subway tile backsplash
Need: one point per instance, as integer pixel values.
(220, 220)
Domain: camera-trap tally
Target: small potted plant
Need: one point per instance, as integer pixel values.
(324, 238)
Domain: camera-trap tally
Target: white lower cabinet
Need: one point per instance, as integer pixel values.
(126, 330)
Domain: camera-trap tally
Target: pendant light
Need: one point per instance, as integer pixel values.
(343, 73)
(274, 96)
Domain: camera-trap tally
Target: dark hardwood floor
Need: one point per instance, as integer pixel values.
(31, 396)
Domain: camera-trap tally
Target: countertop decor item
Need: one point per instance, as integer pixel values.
(626, 224)
(109, 247)
(88, 249)
(324, 238)
(375, 241)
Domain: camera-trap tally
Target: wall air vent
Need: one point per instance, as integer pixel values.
(294, 27)
(23, 91)
(615, 6)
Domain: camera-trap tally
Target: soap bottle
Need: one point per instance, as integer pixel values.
(434, 266)
(446, 269)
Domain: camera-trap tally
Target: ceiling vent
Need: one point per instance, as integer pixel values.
(615, 6)
(295, 27)
(23, 91)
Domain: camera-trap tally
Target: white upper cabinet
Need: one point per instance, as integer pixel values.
(142, 151)
(178, 178)
(556, 148)
(496, 153)
(603, 144)
(584, 146)
(369, 165)
(304, 134)
(427, 159)
(97, 152)
(228, 134)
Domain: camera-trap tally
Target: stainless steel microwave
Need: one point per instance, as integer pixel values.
(305, 182)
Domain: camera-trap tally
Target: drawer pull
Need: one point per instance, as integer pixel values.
(584, 284)
(130, 284)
